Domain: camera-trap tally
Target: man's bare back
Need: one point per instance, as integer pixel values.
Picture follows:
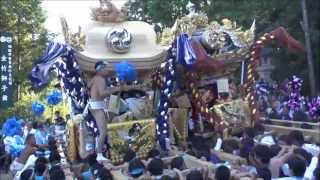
(97, 84)
(29, 150)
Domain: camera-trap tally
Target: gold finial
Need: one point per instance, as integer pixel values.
(107, 12)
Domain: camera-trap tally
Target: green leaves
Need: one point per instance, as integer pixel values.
(25, 20)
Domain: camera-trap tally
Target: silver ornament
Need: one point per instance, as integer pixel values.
(119, 40)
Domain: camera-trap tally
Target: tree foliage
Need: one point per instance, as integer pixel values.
(157, 11)
(268, 14)
(25, 20)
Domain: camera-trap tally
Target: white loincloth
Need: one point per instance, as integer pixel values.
(16, 166)
(96, 105)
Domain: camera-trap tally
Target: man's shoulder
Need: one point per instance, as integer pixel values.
(98, 80)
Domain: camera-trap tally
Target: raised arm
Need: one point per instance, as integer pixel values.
(103, 90)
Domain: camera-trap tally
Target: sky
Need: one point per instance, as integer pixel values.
(76, 12)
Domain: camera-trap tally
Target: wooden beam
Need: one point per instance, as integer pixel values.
(314, 133)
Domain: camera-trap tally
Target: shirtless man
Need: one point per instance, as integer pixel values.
(97, 106)
(31, 147)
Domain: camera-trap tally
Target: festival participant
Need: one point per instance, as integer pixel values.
(247, 142)
(97, 106)
(296, 138)
(59, 119)
(40, 135)
(195, 175)
(316, 172)
(27, 129)
(178, 163)
(297, 167)
(68, 118)
(273, 112)
(279, 160)
(5, 161)
(31, 147)
(103, 173)
(156, 167)
(56, 172)
(260, 158)
(54, 158)
(27, 174)
(285, 114)
(40, 167)
(136, 168)
(222, 173)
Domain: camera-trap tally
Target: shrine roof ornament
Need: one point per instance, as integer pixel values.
(108, 35)
(219, 39)
(108, 13)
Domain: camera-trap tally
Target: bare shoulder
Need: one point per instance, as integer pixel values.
(97, 80)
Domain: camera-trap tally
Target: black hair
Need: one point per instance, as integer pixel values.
(51, 141)
(222, 173)
(177, 163)
(230, 145)
(56, 173)
(204, 151)
(300, 116)
(194, 175)
(249, 132)
(99, 63)
(40, 166)
(297, 165)
(103, 174)
(53, 148)
(262, 152)
(95, 167)
(155, 167)
(283, 138)
(54, 157)
(5, 159)
(264, 173)
(92, 159)
(258, 127)
(166, 177)
(130, 154)
(153, 153)
(35, 125)
(26, 174)
(295, 137)
(57, 112)
(246, 147)
(274, 150)
(134, 166)
(303, 153)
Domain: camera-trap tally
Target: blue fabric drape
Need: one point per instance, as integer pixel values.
(61, 59)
